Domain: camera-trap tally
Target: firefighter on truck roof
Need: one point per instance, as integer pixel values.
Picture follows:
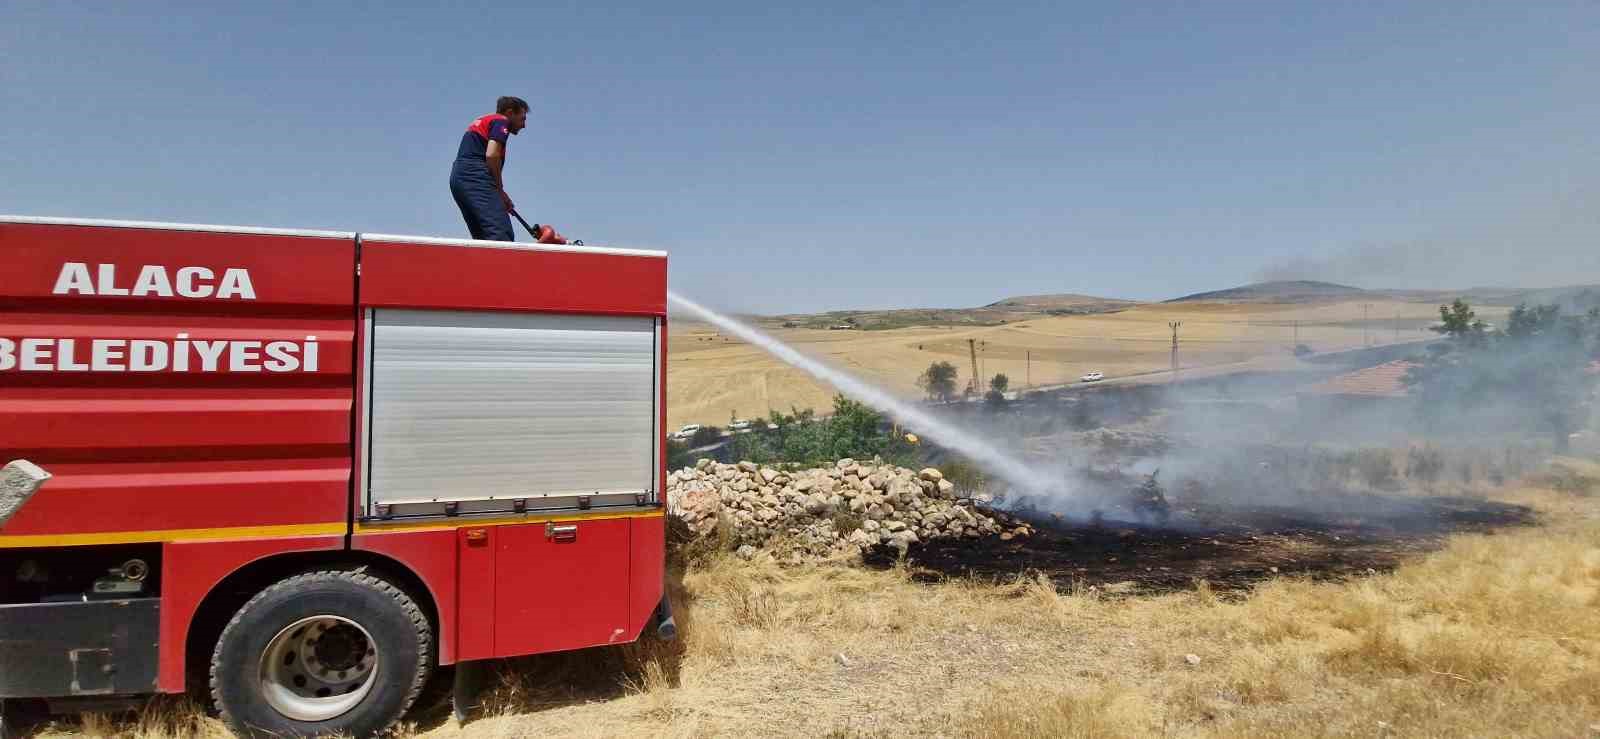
(475, 179)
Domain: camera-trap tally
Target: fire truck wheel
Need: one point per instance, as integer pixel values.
(332, 652)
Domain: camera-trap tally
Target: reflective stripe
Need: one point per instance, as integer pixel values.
(134, 537)
(379, 527)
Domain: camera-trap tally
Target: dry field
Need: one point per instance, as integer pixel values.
(712, 378)
(1494, 634)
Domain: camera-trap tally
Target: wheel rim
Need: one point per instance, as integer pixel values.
(319, 668)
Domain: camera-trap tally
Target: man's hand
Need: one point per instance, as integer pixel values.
(506, 199)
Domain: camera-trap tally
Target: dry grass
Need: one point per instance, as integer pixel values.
(1494, 635)
(165, 718)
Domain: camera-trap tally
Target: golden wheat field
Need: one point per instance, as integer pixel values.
(712, 378)
(1492, 635)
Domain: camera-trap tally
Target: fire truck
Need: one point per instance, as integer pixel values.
(300, 470)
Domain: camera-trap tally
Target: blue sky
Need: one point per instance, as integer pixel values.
(830, 155)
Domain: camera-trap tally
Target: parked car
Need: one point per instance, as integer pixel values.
(740, 426)
(687, 432)
(1093, 377)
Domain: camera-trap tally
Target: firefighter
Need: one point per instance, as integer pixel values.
(475, 179)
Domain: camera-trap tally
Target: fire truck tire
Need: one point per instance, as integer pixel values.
(330, 652)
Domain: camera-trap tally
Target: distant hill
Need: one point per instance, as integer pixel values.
(1284, 291)
(1008, 310)
(1061, 304)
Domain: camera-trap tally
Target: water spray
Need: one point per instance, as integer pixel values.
(1002, 465)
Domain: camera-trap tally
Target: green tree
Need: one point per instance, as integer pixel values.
(1533, 373)
(996, 397)
(1459, 321)
(853, 430)
(938, 381)
(1526, 322)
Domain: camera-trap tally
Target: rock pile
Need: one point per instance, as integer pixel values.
(844, 509)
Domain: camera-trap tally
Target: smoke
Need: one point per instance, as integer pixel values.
(1363, 265)
(1265, 442)
(1553, 242)
(1249, 441)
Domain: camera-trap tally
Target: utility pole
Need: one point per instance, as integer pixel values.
(1174, 326)
(983, 349)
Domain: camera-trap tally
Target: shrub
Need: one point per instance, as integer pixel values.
(967, 478)
(1376, 467)
(1424, 465)
(705, 436)
(1150, 499)
(846, 522)
(678, 456)
(854, 430)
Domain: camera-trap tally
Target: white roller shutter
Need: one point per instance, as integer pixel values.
(472, 406)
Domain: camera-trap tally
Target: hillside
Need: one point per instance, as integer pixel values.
(1285, 291)
(1060, 304)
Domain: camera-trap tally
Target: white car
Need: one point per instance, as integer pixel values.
(1093, 377)
(740, 426)
(687, 432)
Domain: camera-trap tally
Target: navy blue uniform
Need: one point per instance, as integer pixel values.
(474, 187)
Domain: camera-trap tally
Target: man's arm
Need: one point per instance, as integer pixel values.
(495, 155)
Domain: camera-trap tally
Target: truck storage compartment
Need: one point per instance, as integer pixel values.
(95, 647)
(493, 412)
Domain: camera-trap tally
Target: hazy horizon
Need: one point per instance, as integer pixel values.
(1445, 292)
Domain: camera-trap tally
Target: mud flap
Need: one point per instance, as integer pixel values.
(666, 626)
(13, 721)
(54, 650)
(466, 687)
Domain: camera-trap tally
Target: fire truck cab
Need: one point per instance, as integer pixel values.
(302, 469)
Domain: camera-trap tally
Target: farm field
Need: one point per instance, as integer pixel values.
(712, 378)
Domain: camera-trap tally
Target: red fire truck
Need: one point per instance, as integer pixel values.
(301, 469)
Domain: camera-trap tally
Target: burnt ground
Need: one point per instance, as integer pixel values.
(1230, 547)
